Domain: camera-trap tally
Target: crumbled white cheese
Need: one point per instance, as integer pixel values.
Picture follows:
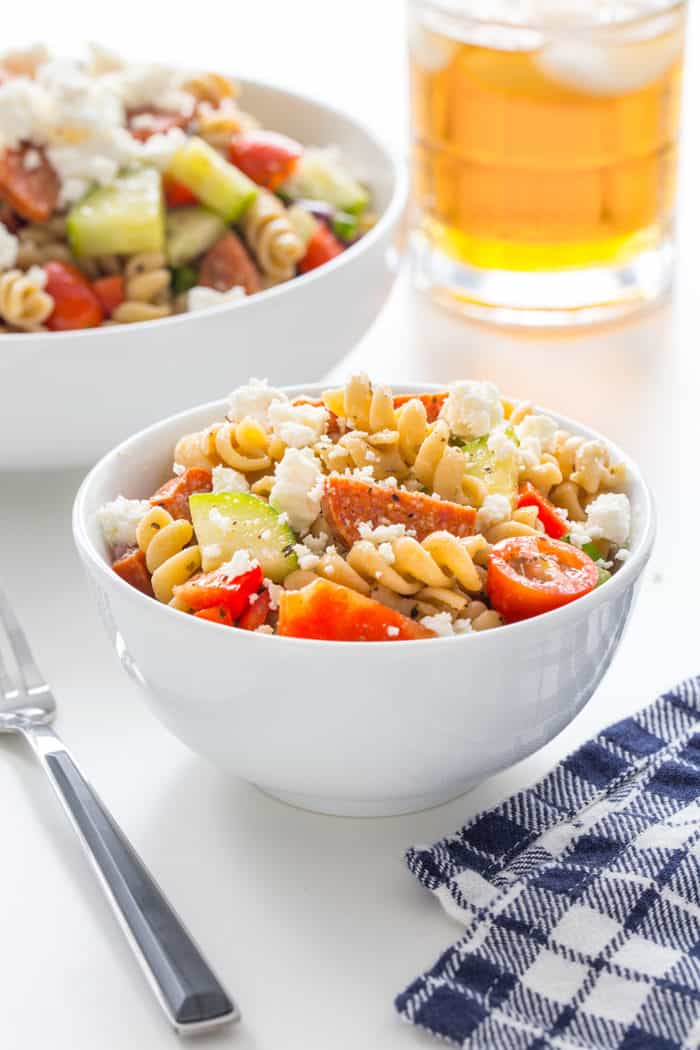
(179, 469)
(120, 518)
(501, 444)
(623, 554)
(150, 85)
(609, 517)
(495, 509)
(440, 623)
(24, 112)
(307, 558)
(8, 248)
(219, 519)
(386, 551)
(578, 534)
(253, 401)
(472, 408)
(274, 590)
(537, 428)
(266, 535)
(378, 534)
(210, 551)
(297, 488)
(37, 275)
(318, 544)
(240, 562)
(463, 627)
(31, 160)
(201, 298)
(297, 425)
(226, 479)
(392, 632)
(101, 60)
(264, 628)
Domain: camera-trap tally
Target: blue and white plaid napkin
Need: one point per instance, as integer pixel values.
(581, 899)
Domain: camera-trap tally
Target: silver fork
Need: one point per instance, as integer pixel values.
(185, 986)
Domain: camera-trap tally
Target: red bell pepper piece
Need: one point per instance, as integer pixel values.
(552, 521)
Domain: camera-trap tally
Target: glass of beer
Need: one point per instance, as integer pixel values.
(544, 147)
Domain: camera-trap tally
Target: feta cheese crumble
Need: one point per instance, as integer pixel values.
(392, 632)
(297, 425)
(240, 562)
(274, 590)
(379, 534)
(495, 509)
(297, 488)
(226, 479)
(609, 517)
(472, 408)
(120, 518)
(201, 298)
(9, 246)
(252, 401)
(442, 625)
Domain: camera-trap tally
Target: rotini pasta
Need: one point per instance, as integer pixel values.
(269, 234)
(23, 302)
(147, 289)
(388, 509)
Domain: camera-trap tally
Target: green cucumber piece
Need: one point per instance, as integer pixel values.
(215, 182)
(319, 176)
(242, 522)
(603, 575)
(189, 232)
(183, 278)
(499, 475)
(345, 225)
(123, 218)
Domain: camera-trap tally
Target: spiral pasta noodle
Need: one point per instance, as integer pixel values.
(271, 237)
(245, 446)
(217, 124)
(147, 289)
(210, 87)
(169, 557)
(23, 302)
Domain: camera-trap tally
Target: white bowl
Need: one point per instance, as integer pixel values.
(352, 728)
(72, 395)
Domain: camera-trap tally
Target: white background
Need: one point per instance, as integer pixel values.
(312, 922)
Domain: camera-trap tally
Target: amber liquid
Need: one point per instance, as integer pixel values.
(514, 169)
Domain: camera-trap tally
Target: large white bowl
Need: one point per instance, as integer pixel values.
(352, 728)
(67, 397)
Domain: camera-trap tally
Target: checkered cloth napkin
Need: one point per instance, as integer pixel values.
(581, 900)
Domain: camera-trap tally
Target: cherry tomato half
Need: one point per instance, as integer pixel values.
(529, 575)
(266, 157)
(75, 303)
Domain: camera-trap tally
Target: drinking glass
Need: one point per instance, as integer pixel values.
(544, 150)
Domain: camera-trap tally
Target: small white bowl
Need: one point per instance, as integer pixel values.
(362, 729)
(67, 397)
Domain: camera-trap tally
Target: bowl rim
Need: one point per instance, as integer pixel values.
(386, 220)
(623, 578)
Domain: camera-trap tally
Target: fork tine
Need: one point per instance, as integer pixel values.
(29, 674)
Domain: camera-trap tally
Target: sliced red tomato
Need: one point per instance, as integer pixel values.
(32, 191)
(218, 588)
(110, 292)
(266, 157)
(529, 575)
(328, 611)
(217, 614)
(432, 402)
(75, 303)
(322, 247)
(176, 193)
(175, 494)
(144, 122)
(256, 613)
(552, 521)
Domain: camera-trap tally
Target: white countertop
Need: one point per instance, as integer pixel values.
(312, 922)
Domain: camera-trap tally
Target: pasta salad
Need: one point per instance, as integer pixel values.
(364, 516)
(133, 192)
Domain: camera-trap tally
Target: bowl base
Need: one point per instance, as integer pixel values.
(389, 807)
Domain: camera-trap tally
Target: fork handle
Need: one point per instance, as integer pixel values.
(185, 986)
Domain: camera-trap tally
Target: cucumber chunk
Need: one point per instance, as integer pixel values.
(320, 176)
(123, 218)
(229, 521)
(189, 232)
(215, 182)
(500, 475)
